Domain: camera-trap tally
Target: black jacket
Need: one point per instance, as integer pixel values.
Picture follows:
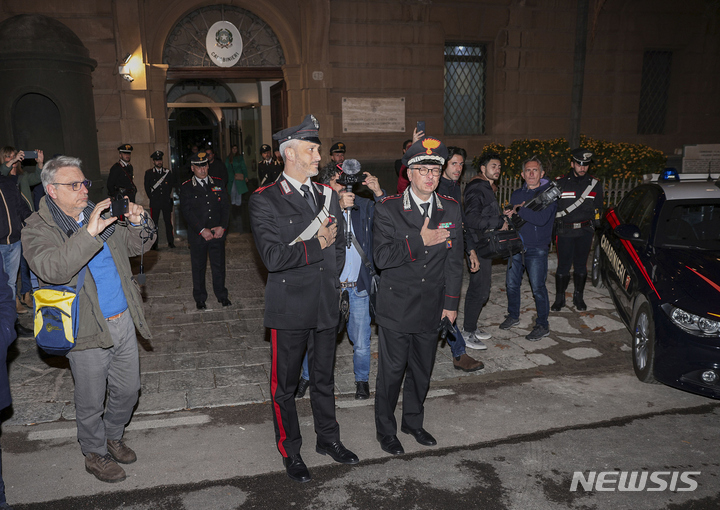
(121, 178)
(482, 212)
(303, 285)
(204, 206)
(13, 211)
(161, 196)
(418, 282)
(572, 189)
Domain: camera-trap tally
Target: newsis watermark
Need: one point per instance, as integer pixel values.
(634, 481)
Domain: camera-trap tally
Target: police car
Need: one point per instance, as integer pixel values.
(658, 253)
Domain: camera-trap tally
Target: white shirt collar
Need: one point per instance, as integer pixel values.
(296, 184)
(418, 201)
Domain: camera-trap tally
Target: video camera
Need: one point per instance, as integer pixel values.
(538, 203)
(350, 175)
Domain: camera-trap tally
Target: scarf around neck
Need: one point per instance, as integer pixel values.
(69, 225)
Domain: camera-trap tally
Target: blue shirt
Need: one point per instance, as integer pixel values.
(107, 280)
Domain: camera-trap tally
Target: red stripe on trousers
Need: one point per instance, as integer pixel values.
(273, 389)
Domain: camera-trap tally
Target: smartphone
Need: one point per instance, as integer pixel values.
(421, 126)
(30, 154)
(119, 206)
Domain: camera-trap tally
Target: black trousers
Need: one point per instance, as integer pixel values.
(288, 350)
(409, 354)
(573, 251)
(477, 294)
(167, 218)
(200, 249)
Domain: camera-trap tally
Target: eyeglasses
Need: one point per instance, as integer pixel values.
(74, 185)
(424, 170)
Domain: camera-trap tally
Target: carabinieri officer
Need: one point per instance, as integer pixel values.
(579, 207)
(298, 229)
(206, 207)
(159, 183)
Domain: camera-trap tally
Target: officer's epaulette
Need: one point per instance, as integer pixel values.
(184, 183)
(390, 197)
(260, 190)
(321, 184)
(446, 197)
(560, 177)
(593, 177)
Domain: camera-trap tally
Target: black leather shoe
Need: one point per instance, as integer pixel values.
(363, 390)
(296, 468)
(302, 388)
(338, 452)
(200, 305)
(22, 331)
(390, 444)
(224, 302)
(421, 435)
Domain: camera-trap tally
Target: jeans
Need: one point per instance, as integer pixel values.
(11, 254)
(536, 264)
(26, 282)
(358, 329)
(456, 342)
(478, 293)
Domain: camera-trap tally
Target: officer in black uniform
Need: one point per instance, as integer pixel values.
(206, 208)
(303, 250)
(159, 183)
(418, 246)
(120, 179)
(269, 169)
(578, 210)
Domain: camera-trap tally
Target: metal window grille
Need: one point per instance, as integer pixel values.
(654, 91)
(465, 76)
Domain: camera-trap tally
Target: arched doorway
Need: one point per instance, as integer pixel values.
(239, 96)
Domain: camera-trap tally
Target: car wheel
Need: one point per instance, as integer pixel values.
(595, 273)
(643, 344)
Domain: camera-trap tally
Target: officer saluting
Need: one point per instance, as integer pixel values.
(304, 254)
(159, 183)
(206, 208)
(120, 179)
(579, 206)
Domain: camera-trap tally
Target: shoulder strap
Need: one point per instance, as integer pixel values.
(579, 201)
(80, 280)
(314, 226)
(364, 258)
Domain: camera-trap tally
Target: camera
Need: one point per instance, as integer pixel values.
(350, 175)
(119, 205)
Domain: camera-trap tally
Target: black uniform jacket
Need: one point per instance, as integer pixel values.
(121, 178)
(269, 172)
(572, 189)
(303, 286)
(204, 206)
(416, 282)
(161, 196)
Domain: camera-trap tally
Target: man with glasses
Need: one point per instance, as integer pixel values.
(418, 246)
(68, 234)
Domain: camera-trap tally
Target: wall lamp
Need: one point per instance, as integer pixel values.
(124, 69)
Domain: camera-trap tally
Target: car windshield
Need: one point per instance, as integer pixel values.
(689, 224)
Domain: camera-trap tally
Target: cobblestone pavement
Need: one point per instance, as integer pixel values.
(221, 356)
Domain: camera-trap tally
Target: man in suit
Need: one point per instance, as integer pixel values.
(121, 177)
(418, 246)
(298, 231)
(206, 208)
(159, 183)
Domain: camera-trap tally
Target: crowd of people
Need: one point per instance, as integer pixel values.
(335, 260)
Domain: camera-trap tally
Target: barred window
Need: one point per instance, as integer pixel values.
(654, 90)
(465, 72)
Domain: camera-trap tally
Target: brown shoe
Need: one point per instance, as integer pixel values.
(467, 364)
(27, 299)
(104, 468)
(121, 452)
(20, 307)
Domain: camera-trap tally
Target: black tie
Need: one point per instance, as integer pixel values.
(425, 208)
(309, 198)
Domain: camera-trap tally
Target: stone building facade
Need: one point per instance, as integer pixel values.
(651, 75)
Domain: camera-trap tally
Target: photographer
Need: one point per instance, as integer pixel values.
(536, 234)
(69, 233)
(355, 276)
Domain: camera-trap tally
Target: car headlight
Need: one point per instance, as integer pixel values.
(694, 323)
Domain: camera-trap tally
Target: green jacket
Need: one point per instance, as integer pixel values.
(30, 177)
(236, 167)
(57, 259)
